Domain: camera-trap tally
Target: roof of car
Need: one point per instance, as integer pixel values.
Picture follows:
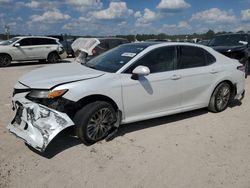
(109, 38)
(147, 44)
(143, 44)
(36, 37)
(233, 34)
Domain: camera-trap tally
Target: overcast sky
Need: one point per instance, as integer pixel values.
(112, 17)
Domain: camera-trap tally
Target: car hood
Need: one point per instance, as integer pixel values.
(51, 76)
(223, 49)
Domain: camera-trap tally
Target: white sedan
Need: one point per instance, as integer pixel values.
(130, 83)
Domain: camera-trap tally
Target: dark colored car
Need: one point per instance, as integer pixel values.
(233, 45)
(107, 44)
(203, 42)
(157, 40)
(66, 41)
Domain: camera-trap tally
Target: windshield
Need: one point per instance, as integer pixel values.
(10, 41)
(228, 40)
(113, 60)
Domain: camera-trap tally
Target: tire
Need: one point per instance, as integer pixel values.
(5, 60)
(246, 69)
(94, 121)
(53, 57)
(220, 98)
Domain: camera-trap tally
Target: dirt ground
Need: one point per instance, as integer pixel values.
(195, 149)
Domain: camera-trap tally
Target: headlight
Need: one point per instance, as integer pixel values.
(46, 94)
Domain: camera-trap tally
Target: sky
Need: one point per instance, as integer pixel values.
(115, 17)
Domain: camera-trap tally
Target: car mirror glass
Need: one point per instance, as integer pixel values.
(17, 44)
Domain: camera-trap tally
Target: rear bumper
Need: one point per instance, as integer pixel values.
(36, 124)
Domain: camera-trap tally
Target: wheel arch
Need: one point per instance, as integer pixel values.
(96, 97)
(233, 87)
(7, 55)
(54, 51)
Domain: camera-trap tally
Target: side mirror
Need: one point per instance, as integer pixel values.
(140, 71)
(17, 45)
(243, 42)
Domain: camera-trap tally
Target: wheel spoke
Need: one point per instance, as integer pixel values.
(223, 97)
(99, 124)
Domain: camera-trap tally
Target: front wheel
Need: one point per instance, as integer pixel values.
(220, 97)
(94, 121)
(5, 60)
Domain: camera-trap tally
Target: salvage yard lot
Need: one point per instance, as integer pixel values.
(194, 149)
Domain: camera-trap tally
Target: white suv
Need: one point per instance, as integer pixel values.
(30, 48)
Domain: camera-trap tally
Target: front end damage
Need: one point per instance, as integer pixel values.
(35, 123)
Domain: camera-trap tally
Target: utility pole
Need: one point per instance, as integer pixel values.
(7, 31)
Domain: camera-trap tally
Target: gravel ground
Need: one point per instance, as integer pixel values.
(194, 149)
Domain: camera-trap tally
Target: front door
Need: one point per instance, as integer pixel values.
(156, 93)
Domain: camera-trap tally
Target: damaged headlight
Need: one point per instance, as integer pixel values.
(46, 94)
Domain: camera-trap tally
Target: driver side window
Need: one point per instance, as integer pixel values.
(25, 42)
(159, 60)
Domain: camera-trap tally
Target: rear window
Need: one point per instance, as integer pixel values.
(191, 57)
(210, 58)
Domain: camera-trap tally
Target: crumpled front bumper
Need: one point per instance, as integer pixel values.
(36, 124)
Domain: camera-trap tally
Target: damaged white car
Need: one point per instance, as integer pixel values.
(129, 83)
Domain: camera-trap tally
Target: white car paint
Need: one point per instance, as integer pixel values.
(154, 95)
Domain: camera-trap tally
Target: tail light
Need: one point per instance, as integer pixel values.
(94, 51)
(241, 68)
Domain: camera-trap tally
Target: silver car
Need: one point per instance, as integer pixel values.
(130, 83)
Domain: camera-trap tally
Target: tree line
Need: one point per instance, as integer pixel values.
(142, 37)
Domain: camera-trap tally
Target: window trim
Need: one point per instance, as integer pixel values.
(175, 59)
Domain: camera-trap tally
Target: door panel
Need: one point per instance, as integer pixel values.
(197, 75)
(25, 50)
(156, 93)
(19, 53)
(196, 85)
(149, 95)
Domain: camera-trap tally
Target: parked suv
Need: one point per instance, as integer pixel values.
(27, 48)
(233, 45)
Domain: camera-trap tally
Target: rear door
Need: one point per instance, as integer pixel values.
(47, 46)
(198, 72)
(37, 48)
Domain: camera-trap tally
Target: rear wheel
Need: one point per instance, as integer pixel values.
(94, 121)
(53, 57)
(220, 97)
(5, 60)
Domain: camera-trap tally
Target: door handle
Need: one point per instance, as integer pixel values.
(213, 71)
(175, 77)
